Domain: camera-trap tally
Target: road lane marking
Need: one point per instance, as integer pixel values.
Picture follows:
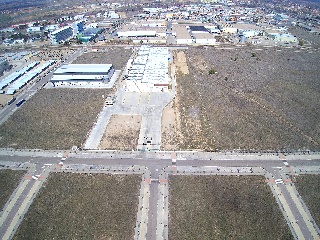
(8, 209)
(302, 211)
(278, 181)
(289, 213)
(21, 210)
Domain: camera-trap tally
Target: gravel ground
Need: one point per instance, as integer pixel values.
(255, 99)
(308, 187)
(122, 132)
(9, 180)
(305, 36)
(53, 119)
(224, 207)
(118, 56)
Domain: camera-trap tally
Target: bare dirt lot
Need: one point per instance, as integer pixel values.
(306, 36)
(118, 56)
(179, 132)
(181, 63)
(169, 128)
(224, 207)
(249, 99)
(308, 187)
(53, 119)
(50, 54)
(122, 132)
(4, 99)
(9, 180)
(83, 206)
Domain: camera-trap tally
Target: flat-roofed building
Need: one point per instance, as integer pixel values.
(61, 35)
(137, 34)
(82, 74)
(144, 31)
(148, 72)
(182, 34)
(288, 38)
(204, 38)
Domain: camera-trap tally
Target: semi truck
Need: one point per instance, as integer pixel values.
(18, 104)
(11, 100)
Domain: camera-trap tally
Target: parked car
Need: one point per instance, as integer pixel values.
(110, 100)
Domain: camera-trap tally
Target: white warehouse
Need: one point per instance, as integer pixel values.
(137, 34)
(148, 71)
(82, 74)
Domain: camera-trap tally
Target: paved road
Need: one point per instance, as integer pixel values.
(170, 38)
(160, 158)
(156, 216)
(21, 199)
(147, 104)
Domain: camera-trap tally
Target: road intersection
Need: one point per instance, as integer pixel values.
(155, 167)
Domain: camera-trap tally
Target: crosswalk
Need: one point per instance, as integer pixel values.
(279, 181)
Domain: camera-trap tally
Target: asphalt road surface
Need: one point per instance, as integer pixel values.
(274, 164)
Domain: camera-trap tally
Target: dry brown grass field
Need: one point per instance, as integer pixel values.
(118, 56)
(122, 132)
(224, 207)
(9, 180)
(305, 36)
(308, 187)
(249, 99)
(53, 119)
(83, 206)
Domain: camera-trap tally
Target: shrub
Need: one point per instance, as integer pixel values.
(212, 71)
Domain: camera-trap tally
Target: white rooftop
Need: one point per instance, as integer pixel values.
(78, 77)
(149, 68)
(83, 68)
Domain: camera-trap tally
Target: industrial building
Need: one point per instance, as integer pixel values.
(16, 75)
(201, 35)
(148, 71)
(182, 34)
(61, 35)
(77, 27)
(35, 29)
(143, 31)
(193, 34)
(82, 74)
(281, 37)
(22, 77)
(137, 34)
(89, 34)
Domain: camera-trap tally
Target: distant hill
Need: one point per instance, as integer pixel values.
(18, 4)
(19, 1)
(311, 3)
